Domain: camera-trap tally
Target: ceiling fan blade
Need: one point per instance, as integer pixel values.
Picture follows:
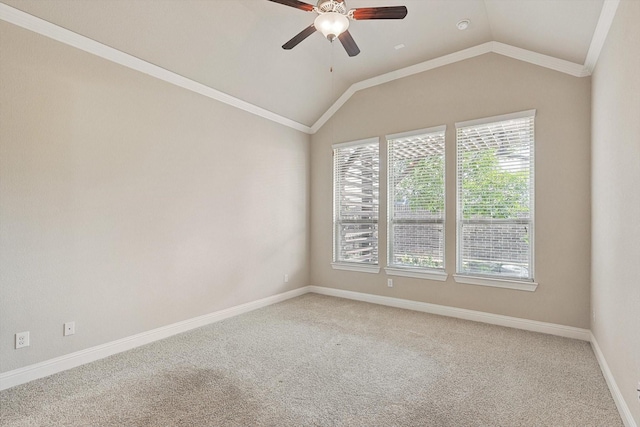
(299, 37)
(295, 3)
(348, 43)
(390, 12)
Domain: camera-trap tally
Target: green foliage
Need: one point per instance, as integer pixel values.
(490, 191)
(423, 187)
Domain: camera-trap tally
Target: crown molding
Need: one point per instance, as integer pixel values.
(399, 74)
(556, 64)
(55, 32)
(607, 14)
(524, 55)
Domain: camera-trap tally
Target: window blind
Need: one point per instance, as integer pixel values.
(356, 201)
(416, 199)
(495, 190)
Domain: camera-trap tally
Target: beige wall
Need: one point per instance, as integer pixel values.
(480, 87)
(616, 202)
(128, 203)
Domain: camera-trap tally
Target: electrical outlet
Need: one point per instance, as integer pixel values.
(286, 278)
(390, 283)
(22, 339)
(69, 328)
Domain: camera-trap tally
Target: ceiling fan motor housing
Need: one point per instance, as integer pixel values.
(337, 6)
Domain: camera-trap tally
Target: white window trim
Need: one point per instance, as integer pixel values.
(417, 273)
(521, 285)
(405, 271)
(362, 268)
(500, 118)
(527, 284)
(365, 141)
(409, 134)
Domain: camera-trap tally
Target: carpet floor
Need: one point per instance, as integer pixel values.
(323, 361)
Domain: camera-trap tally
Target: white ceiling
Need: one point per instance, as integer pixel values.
(234, 46)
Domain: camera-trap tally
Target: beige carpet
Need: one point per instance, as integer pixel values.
(323, 361)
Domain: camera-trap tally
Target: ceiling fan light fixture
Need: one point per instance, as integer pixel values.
(331, 24)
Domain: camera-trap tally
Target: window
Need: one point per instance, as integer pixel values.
(495, 189)
(356, 189)
(416, 202)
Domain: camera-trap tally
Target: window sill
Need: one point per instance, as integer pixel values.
(362, 268)
(417, 273)
(520, 285)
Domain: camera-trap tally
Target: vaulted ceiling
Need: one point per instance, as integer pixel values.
(234, 46)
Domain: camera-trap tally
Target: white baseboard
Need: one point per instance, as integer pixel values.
(623, 409)
(496, 319)
(49, 367)
(460, 313)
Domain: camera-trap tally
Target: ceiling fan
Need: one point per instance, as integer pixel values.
(333, 20)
